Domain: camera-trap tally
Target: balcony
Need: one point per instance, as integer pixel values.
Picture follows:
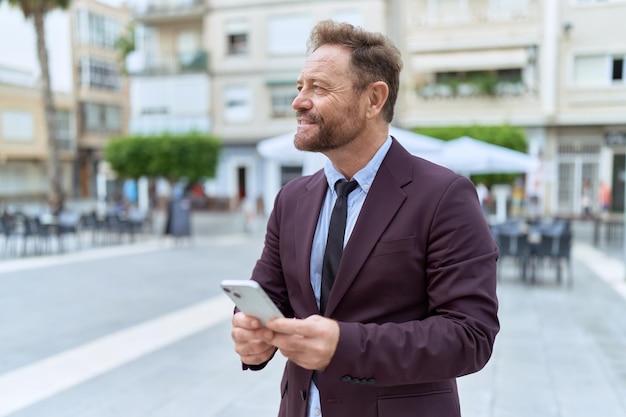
(171, 10)
(497, 12)
(188, 63)
(468, 84)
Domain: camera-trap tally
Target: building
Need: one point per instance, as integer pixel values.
(101, 89)
(554, 68)
(169, 74)
(90, 96)
(23, 136)
(545, 66)
(229, 67)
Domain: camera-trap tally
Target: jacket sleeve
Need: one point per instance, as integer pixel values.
(268, 272)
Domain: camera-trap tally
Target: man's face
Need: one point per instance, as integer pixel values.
(328, 110)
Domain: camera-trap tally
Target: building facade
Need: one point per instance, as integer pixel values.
(545, 66)
(90, 97)
(101, 88)
(23, 136)
(258, 49)
(228, 68)
(241, 92)
(554, 68)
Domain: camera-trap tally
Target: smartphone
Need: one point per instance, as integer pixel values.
(251, 299)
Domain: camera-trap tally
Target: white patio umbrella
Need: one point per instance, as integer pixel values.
(281, 148)
(468, 156)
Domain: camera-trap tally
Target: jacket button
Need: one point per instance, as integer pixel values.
(346, 378)
(371, 381)
(355, 380)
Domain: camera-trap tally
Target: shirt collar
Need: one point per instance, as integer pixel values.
(366, 175)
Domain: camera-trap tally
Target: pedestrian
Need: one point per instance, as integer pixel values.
(483, 196)
(413, 305)
(605, 198)
(585, 200)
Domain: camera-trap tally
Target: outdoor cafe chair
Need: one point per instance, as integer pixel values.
(25, 231)
(68, 223)
(5, 231)
(512, 244)
(555, 249)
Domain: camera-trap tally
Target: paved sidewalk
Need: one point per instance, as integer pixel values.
(560, 352)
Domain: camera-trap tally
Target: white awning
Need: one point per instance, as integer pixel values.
(471, 60)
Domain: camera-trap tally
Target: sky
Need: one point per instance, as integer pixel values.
(18, 45)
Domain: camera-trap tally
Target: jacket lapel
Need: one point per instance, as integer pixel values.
(307, 212)
(383, 200)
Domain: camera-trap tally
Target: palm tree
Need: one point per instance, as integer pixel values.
(37, 10)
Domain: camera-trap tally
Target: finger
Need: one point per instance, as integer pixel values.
(287, 326)
(255, 355)
(251, 348)
(242, 335)
(244, 321)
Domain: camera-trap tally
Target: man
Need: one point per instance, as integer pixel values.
(413, 304)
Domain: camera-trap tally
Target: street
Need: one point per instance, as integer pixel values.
(143, 330)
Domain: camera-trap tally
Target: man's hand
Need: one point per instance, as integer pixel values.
(310, 342)
(250, 339)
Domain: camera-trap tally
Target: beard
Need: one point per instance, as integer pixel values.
(338, 132)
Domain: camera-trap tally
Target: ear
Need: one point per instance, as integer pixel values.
(377, 95)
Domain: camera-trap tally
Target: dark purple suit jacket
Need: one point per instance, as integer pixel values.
(415, 294)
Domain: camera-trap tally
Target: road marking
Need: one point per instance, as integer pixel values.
(30, 384)
(610, 270)
(91, 254)
(15, 265)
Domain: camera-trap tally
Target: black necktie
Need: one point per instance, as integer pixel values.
(334, 243)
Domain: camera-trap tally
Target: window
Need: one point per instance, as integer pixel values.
(282, 95)
(66, 138)
(147, 41)
(237, 38)
(577, 161)
(589, 70)
(617, 71)
(99, 74)
(447, 10)
(354, 17)
(599, 70)
(101, 118)
(112, 118)
(288, 173)
(597, 1)
(17, 126)
(97, 30)
(287, 35)
(509, 7)
(187, 46)
(237, 104)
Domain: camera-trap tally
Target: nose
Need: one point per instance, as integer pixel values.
(301, 102)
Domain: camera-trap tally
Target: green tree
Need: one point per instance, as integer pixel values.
(124, 45)
(37, 11)
(191, 156)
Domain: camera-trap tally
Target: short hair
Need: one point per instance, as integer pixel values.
(374, 57)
